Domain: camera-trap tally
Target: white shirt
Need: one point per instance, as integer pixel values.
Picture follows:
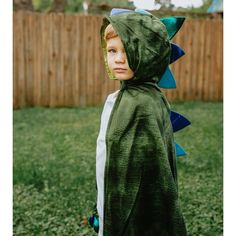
(101, 156)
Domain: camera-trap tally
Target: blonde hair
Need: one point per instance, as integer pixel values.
(109, 33)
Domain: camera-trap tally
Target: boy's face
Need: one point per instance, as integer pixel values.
(117, 60)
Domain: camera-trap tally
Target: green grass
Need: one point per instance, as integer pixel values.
(54, 169)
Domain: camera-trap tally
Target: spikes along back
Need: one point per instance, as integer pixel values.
(176, 53)
(167, 80)
(173, 24)
(178, 121)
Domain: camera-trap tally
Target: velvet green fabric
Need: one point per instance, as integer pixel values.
(141, 194)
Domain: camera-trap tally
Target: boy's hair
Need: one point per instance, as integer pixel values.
(109, 33)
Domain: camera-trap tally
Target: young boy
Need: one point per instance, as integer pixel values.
(135, 160)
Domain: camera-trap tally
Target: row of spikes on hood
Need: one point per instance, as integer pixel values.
(167, 81)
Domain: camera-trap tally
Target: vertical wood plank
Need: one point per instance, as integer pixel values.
(52, 64)
(95, 85)
(188, 41)
(37, 56)
(29, 58)
(67, 61)
(59, 59)
(34, 57)
(200, 61)
(90, 61)
(75, 62)
(220, 61)
(45, 92)
(16, 95)
(207, 58)
(20, 57)
(218, 65)
(211, 81)
(83, 64)
(80, 58)
(195, 61)
(181, 63)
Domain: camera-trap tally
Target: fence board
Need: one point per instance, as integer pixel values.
(75, 69)
(58, 61)
(19, 57)
(194, 60)
(68, 51)
(90, 62)
(79, 62)
(38, 64)
(28, 60)
(59, 57)
(15, 64)
(200, 62)
(83, 62)
(220, 61)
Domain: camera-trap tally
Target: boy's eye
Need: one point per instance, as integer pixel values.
(111, 50)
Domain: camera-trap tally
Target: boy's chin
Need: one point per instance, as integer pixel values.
(123, 77)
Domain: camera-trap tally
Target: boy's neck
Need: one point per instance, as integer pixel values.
(136, 83)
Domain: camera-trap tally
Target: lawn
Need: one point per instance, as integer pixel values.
(54, 169)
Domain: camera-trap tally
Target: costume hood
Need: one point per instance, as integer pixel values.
(146, 43)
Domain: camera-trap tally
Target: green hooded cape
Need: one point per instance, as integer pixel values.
(141, 194)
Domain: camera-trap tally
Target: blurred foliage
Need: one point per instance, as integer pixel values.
(42, 5)
(202, 9)
(54, 169)
(120, 3)
(206, 4)
(75, 5)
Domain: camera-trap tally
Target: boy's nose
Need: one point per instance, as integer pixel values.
(120, 58)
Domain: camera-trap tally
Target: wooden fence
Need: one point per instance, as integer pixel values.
(58, 61)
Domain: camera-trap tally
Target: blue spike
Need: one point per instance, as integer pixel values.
(173, 24)
(176, 53)
(91, 220)
(167, 80)
(179, 150)
(178, 121)
(142, 11)
(96, 222)
(117, 11)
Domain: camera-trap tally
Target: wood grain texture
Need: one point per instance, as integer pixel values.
(58, 61)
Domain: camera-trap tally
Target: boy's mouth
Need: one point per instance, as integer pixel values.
(120, 70)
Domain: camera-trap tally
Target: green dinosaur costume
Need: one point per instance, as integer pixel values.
(140, 179)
